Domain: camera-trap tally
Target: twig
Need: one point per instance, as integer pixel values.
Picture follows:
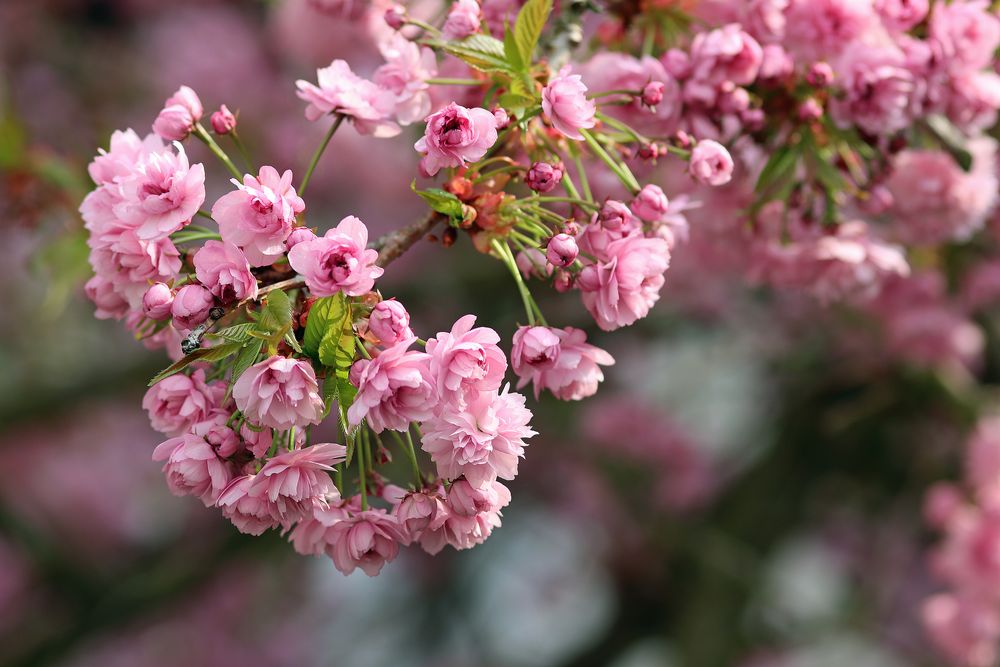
(395, 243)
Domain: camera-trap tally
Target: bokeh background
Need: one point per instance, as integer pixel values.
(744, 491)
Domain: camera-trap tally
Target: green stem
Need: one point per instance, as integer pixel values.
(619, 170)
(582, 203)
(411, 453)
(206, 138)
(608, 93)
(243, 150)
(319, 152)
(505, 255)
(624, 127)
(205, 214)
(362, 483)
(195, 236)
(453, 82)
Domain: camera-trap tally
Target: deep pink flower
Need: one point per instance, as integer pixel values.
(279, 392)
(623, 289)
(483, 441)
(225, 271)
(342, 91)
(223, 121)
(559, 360)
(565, 104)
(726, 54)
(466, 360)
(366, 540)
(562, 250)
(338, 261)
(162, 194)
(456, 135)
(394, 389)
(191, 306)
(179, 114)
(259, 215)
(463, 20)
(405, 72)
(711, 164)
(178, 402)
(544, 176)
(251, 514)
(390, 322)
(292, 481)
(193, 468)
(157, 300)
(110, 304)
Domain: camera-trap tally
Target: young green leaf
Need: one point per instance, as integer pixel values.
(277, 312)
(247, 357)
(325, 313)
(217, 353)
(238, 333)
(528, 27)
(483, 52)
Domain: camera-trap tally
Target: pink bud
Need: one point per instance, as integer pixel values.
(299, 235)
(531, 262)
(390, 322)
(543, 176)
(614, 215)
(157, 300)
(562, 250)
(571, 227)
(819, 75)
(682, 139)
(179, 114)
(563, 281)
(650, 151)
(711, 163)
(191, 306)
(395, 17)
(810, 110)
(650, 204)
(503, 120)
(652, 93)
(223, 120)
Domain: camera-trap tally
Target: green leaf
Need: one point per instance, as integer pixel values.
(440, 200)
(292, 341)
(247, 357)
(951, 140)
(276, 315)
(338, 346)
(512, 51)
(324, 313)
(238, 333)
(217, 353)
(483, 52)
(528, 27)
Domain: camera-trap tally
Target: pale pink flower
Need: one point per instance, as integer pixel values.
(179, 114)
(313, 534)
(259, 215)
(225, 271)
(967, 31)
(420, 516)
(725, 54)
(291, 481)
(650, 204)
(366, 540)
(342, 91)
(559, 360)
(126, 151)
(299, 235)
(622, 289)
(455, 135)
(473, 512)
(820, 29)
(110, 304)
(223, 121)
(132, 264)
(711, 164)
(619, 71)
(565, 104)
(157, 301)
(775, 64)
(877, 90)
(193, 468)
(258, 442)
(338, 261)
(162, 194)
(463, 20)
(390, 322)
(466, 360)
(191, 306)
(394, 389)
(279, 392)
(901, 15)
(251, 514)
(178, 402)
(965, 628)
(483, 441)
(972, 99)
(405, 72)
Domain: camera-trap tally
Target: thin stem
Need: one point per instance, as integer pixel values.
(411, 453)
(205, 214)
(195, 236)
(361, 476)
(624, 127)
(201, 133)
(243, 150)
(507, 257)
(619, 170)
(570, 188)
(319, 152)
(453, 82)
(607, 93)
(569, 200)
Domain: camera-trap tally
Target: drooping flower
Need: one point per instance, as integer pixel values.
(565, 104)
(225, 271)
(623, 288)
(179, 114)
(394, 389)
(178, 402)
(338, 261)
(342, 91)
(368, 540)
(559, 360)
(259, 215)
(390, 322)
(463, 20)
(466, 360)
(251, 514)
(456, 135)
(292, 481)
(483, 441)
(279, 392)
(193, 468)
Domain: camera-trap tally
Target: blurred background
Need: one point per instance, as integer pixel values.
(744, 491)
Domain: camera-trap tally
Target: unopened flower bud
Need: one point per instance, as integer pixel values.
(810, 110)
(543, 176)
(562, 250)
(448, 237)
(390, 322)
(299, 235)
(395, 17)
(191, 306)
(563, 281)
(156, 301)
(571, 227)
(531, 262)
(650, 151)
(614, 215)
(819, 75)
(650, 204)
(682, 139)
(711, 163)
(223, 120)
(502, 117)
(179, 114)
(652, 93)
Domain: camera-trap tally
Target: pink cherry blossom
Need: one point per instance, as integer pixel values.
(225, 271)
(968, 32)
(131, 264)
(711, 164)
(623, 289)
(342, 91)
(466, 360)
(394, 389)
(366, 540)
(338, 261)
(483, 441)
(456, 135)
(193, 468)
(157, 300)
(390, 322)
(127, 149)
(965, 628)
(110, 304)
(463, 19)
(559, 360)
(178, 402)
(259, 215)
(877, 90)
(279, 392)
(405, 72)
(650, 204)
(162, 194)
(821, 29)
(179, 114)
(251, 514)
(291, 481)
(565, 104)
(191, 306)
(901, 15)
(223, 121)
(726, 54)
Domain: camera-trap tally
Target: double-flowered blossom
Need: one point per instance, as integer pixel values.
(279, 392)
(341, 91)
(405, 72)
(259, 215)
(394, 389)
(161, 195)
(193, 467)
(463, 19)
(180, 401)
(711, 163)
(558, 360)
(292, 481)
(157, 301)
(338, 261)
(623, 288)
(225, 271)
(565, 104)
(456, 135)
(466, 361)
(191, 306)
(390, 323)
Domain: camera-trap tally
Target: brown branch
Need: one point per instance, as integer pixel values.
(395, 243)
